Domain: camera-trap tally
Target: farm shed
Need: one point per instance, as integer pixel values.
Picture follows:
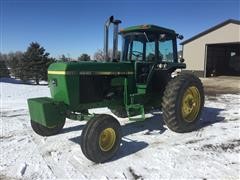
(215, 51)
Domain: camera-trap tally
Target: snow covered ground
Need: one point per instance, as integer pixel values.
(149, 150)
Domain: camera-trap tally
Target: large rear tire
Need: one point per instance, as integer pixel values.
(182, 103)
(101, 137)
(45, 131)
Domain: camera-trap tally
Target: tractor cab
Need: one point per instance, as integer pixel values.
(150, 48)
(149, 43)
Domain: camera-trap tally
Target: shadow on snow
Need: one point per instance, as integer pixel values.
(210, 116)
(155, 123)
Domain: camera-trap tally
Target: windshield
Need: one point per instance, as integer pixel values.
(149, 47)
(139, 47)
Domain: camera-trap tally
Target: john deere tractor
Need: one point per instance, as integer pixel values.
(141, 80)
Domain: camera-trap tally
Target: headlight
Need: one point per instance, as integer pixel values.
(160, 66)
(54, 82)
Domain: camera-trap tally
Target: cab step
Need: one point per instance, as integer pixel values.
(141, 91)
(141, 88)
(135, 110)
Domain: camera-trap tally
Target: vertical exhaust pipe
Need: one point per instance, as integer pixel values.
(106, 30)
(115, 40)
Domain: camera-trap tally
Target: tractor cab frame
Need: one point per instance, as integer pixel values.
(153, 50)
(149, 46)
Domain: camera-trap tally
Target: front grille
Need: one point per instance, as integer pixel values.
(93, 88)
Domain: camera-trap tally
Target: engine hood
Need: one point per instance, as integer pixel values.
(91, 68)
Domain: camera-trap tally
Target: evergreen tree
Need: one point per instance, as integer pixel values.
(35, 63)
(84, 57)
(13, 61)
(4, 72)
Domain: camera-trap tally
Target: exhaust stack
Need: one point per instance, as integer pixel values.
(115, 38)
(106, 29)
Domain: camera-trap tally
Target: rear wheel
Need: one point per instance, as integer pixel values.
(101, 138)
(46, 131)
(182, 103)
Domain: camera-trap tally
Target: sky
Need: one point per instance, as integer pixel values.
(74, 27)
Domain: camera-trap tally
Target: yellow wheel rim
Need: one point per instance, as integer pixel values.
(191, 104)
(107, 139)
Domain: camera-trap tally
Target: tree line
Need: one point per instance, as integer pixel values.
(34, 62)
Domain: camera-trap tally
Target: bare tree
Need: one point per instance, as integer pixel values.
(99, 55)
(64, 58)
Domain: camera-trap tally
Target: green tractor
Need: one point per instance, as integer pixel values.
(141, 80)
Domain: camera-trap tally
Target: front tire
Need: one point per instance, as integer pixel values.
(182, 103)
(45, 131)
(101, 137)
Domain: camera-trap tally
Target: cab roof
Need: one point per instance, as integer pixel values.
(147, 28)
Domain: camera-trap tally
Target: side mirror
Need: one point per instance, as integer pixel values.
(182, 60)
(180, 37)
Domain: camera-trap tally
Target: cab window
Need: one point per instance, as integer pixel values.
(150, 51)
(166, 50)
(136, 51)
(139, 47)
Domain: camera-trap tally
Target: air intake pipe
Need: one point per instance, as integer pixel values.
(115, 38)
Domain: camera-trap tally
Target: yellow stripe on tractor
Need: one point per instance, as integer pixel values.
(88, 73)
(57, 72)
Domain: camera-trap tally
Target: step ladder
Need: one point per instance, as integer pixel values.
(134, 109)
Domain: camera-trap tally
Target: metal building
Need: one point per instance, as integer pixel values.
(215, 51)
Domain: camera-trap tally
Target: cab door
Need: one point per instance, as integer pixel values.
(143, 55)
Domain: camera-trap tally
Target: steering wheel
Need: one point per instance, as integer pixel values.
(137, 54)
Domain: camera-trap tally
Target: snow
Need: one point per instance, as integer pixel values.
(149, 150)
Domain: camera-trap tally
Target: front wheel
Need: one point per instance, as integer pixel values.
(101, 138)
(182, 103)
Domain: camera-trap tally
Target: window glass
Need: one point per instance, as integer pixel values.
(137, 51)
(150, 51)
(166, 50)
(139, 47)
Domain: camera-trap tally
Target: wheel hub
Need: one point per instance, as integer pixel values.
(191, 104)
(107, 139)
